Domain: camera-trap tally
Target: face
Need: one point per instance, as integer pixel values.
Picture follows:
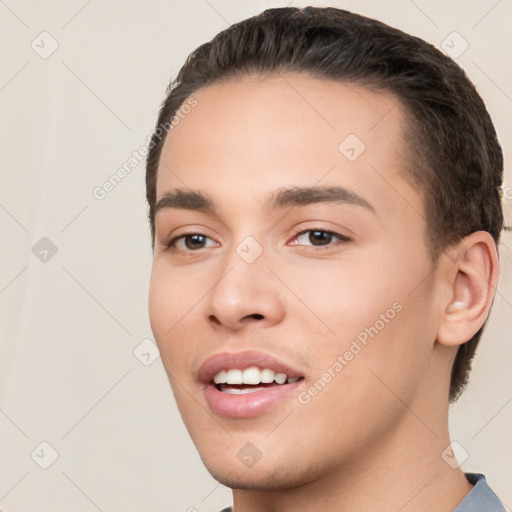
(284, 319)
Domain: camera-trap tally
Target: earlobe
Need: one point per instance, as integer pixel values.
(472, 283)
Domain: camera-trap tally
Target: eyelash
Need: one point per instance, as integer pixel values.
(171, 244)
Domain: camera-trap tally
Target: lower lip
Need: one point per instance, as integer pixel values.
(249, 404)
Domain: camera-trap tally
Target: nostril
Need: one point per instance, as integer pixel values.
(257, 316)
(214, 319)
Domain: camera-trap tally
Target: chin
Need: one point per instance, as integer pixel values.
(265, 477)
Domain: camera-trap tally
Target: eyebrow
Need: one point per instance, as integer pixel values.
(280, 198)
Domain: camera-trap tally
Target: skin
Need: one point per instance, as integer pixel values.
(373, 437)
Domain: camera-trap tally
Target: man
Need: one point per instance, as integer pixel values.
(324, 196)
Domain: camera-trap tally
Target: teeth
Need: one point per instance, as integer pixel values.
(243, 391)
(220, 377)
(267, 376)
(234, 377)
(280, 378)
(253, 376)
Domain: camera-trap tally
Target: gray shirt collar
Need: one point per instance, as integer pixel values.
(481, 498)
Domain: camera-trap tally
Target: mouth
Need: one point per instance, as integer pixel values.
(250, 380)
(246, 384)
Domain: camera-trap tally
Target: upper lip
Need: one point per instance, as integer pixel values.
(242, 360)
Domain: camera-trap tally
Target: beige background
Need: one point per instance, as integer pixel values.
(70, 324)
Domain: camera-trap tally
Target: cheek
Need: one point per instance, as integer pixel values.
(173, 294)
(171, 301)
(364, 384)
(388, 352)
(373, 311)
(338, 299)
(161, 303)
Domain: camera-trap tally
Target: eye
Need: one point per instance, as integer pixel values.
(189, 242)
(319, 237)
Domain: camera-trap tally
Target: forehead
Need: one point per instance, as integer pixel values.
(245, 138)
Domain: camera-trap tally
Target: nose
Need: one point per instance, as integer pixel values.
(246, 293)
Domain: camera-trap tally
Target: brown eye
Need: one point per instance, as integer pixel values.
(319, 237)
(189, 242)
(194, 241)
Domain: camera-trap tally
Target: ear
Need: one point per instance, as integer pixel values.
(472, 276)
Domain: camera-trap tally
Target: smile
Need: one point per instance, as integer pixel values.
(242, 385)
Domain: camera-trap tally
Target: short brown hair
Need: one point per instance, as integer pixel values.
(456, 159)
